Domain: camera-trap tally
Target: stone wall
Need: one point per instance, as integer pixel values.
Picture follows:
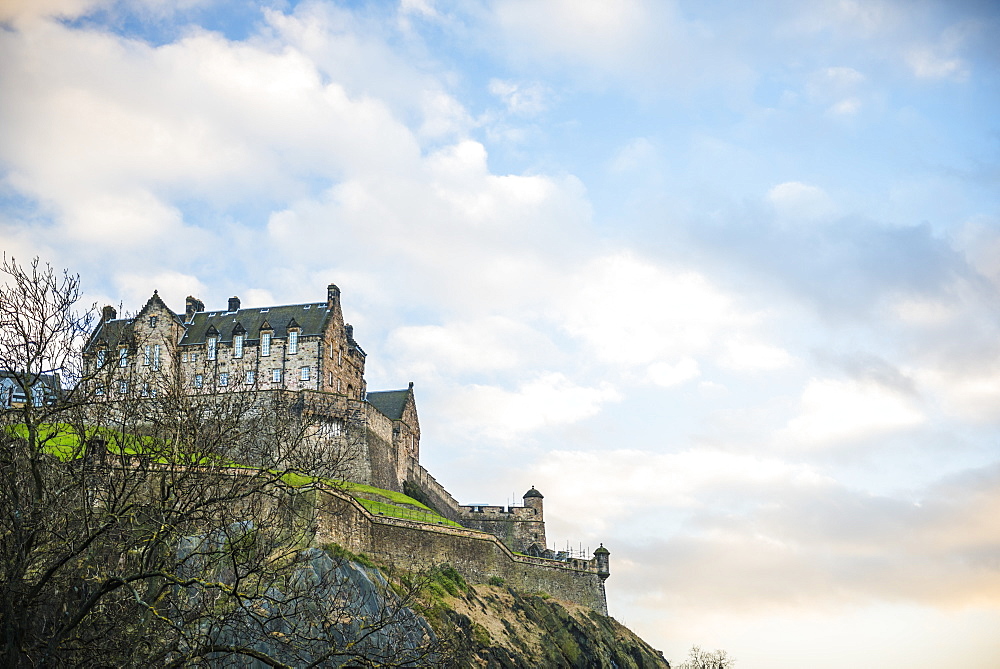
(517, 526)
(434, 494)
(478, 556)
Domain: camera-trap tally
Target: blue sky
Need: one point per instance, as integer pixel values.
(721, 279)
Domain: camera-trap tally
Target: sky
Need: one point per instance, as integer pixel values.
(721, 279)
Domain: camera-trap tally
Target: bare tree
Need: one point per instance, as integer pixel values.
(143, 524)
(703, 659)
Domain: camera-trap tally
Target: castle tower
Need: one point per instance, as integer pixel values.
(603, 562)
(533, 500)
(535, 527)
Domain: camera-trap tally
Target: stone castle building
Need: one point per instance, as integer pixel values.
(309, 349)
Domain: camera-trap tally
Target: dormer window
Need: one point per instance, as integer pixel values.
(212, 347)
(293, 341)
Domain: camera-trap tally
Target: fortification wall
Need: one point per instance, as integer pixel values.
(434, 493)
(382, 454)
(476, 555)
(517, 526)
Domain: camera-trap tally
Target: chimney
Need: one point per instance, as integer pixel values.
(192, 306)
(332, 296)
(349, 329)
(108, 313)
(234, 304)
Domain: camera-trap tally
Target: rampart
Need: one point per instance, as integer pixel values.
(435, 494)
(478, 556)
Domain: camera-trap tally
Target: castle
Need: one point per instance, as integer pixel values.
(309, 349)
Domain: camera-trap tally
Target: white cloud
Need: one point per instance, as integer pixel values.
(521, 99)
(747, 355)
(833, 411)
(795, 201)
(667, 375)
(930, 63)
(631, 311)
(548, 400)
(469, 347)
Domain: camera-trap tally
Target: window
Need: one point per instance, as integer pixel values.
(224, 379)
(147, 355)
(304, 374)
(293, 341)
(250, 377)
(340, 358)
(338, 385)
(331, 379)
(238, 346)
(122, 357)
(197, 380)
(100, 358)
(145, 389)
(184, 357)
(99, 390)
(123, 387)
(265, 343)
(275, 376)
(194, 357)
(332, 428)
(152, 321)
(156, 356)
(212, 342)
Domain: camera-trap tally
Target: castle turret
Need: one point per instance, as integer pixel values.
(533, 500)
(603, 563)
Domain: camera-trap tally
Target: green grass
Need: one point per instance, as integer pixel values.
(61, 440)
(393, 511)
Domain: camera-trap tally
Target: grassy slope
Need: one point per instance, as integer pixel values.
(62, 441)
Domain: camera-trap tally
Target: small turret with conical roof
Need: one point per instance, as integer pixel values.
(602, 555)
(533, 500)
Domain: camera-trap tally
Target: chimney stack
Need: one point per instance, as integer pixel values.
(108, 313)
(234, 304)
(332, 295)
(192, 306)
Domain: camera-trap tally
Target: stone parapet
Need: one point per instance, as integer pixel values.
(478, 556)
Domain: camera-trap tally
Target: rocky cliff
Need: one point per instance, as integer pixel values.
(496, 626)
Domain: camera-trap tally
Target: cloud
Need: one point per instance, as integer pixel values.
(797, 202)
(521, 99)
(838, 88)
(470, 347)
(833, 411)
(547, 400)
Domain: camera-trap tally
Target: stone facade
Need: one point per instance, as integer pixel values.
(309, 350)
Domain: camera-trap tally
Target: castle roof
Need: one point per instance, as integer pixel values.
(309, 318)
(390, 402)
(110, 333)
(533, 493)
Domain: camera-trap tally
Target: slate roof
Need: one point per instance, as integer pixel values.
(390, 402)
(311, 318)
(110, 333)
